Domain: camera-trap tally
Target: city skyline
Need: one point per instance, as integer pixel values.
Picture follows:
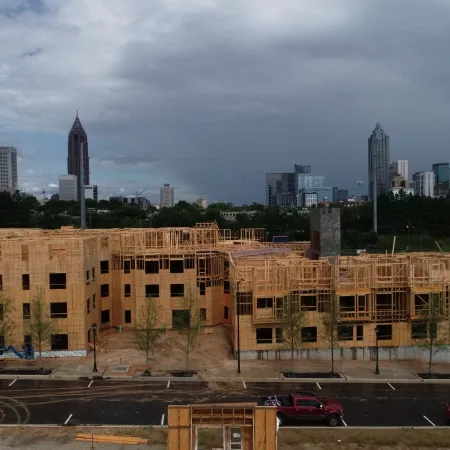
(184, 104)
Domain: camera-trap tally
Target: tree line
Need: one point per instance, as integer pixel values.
(417, 222)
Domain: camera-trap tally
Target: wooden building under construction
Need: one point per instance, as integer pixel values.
(104, 277)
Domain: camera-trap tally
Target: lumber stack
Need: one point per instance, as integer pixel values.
(106, 439)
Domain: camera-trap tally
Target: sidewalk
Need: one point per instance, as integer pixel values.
(213, 362)
(251, 370)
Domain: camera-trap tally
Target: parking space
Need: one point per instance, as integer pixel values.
(119, 402)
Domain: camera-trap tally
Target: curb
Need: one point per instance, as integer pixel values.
(299, 428)
(346, 380)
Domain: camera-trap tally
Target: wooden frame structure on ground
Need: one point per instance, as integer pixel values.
(389, 292)
(245, 426)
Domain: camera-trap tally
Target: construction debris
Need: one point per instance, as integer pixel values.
(106, 439)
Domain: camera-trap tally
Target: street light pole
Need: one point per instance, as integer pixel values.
(94, 329)
(374, 194)
(238, 327)
(377, 369)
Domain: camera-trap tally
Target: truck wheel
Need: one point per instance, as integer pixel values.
(334, 420)
(281, 418)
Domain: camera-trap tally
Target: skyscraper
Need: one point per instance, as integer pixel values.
(167, 196)
(77, 137)
(68, 188)
(399, 167)
(8, 169)
(441, 172)
(424, 183)
(278, 184)
(378, 146)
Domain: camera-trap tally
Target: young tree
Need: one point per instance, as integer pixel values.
(330, 323)
(293, 322)
(6, 320)
(40, 326)
(147, 332)
(429, 338)
(189, 324)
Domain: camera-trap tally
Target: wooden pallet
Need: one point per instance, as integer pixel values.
(103, 438)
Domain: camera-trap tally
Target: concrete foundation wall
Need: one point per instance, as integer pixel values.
(352, 353)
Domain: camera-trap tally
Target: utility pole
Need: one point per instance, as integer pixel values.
(374, 194)
(81, 199)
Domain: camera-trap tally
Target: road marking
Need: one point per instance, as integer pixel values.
(67, 421)
(343, 421)
(168, 384)
(13, 382)
(318, 385)
(90, 384)
(162, 420)
(245, 387)
(391, 386)
(426, 418)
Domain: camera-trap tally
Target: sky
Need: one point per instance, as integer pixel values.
(209, 95)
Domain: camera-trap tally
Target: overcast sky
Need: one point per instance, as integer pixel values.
(209, 95)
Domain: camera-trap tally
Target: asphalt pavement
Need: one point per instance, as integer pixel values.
(115, 402)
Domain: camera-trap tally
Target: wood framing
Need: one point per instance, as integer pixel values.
(109, 274)
(245, 426)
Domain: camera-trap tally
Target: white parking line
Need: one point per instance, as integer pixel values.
(67, 421)
(344, 422)
(168, 384)
(318, 385)
(391, 386)
(245, 387)
(426, 418)
(162, 420)
(13, 382)
(90, 384)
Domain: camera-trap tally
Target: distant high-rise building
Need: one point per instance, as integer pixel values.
(340, 195)
(441, 172)
(167, 196)
(306, 181)
(423, 183)
(78, 138)
(399, 167)
(68, 188)
(279, 183)
(202, 202)
(302, 169)
(8, 169)
(91, 192)
(378, 146)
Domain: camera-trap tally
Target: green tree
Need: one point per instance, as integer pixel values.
(147, 330)
(40, 326)
(330, 324)
(189, 323)
(7, 325)
(291, 328)
(431, 338)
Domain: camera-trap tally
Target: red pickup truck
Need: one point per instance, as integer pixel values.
(306, 406)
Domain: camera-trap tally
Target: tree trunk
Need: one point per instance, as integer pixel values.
(332, 352)
(187, 353)
(431, 356)
(147, 357)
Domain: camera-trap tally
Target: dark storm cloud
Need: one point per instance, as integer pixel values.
(234, 104)
(217, 93)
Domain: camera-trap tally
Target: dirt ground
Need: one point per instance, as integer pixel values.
(169, 354)
(300, 439)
